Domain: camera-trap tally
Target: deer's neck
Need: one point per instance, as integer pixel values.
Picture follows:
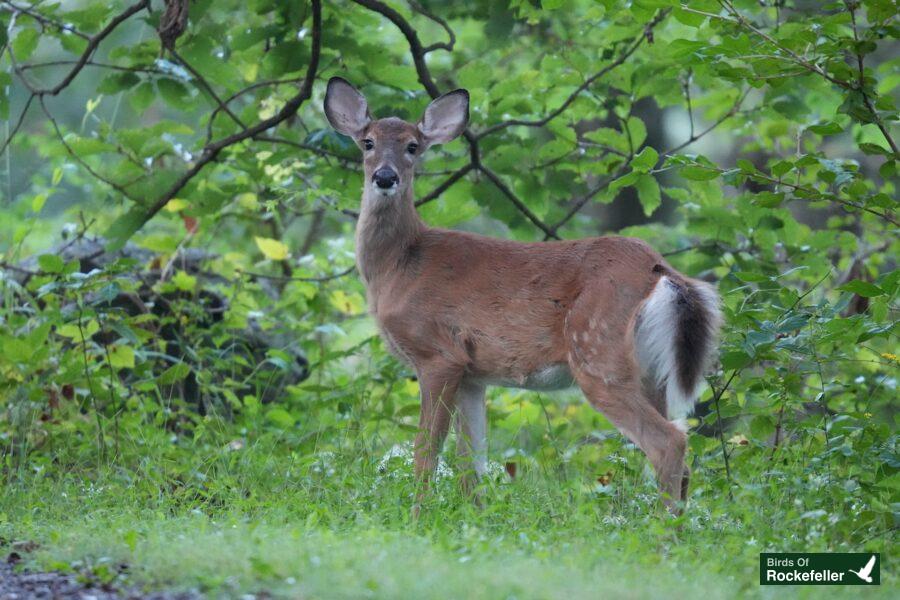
(386, 230)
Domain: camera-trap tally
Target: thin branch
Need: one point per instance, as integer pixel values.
(686, 85)
(211, 151)
(18, 125)
(74, 155)
(446, 184)
(331, 277)
(45, 20)
(851, 8)
(739, 20)
(701, 246)
(830, 197)
(720, 432)
(206, 87)
(427, 81)
(495, 179)
(578, 202)
(224, 104)
(448, 46)
(412, 38)
(308, 147)
(693, 138)
(90, 63)
(632, 47)
(92, 45)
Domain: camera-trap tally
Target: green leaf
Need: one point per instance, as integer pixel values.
(874, 149)
(118, 82)
(648, 193)
(280, 417)
(697, 173)
(826, 128)
(87, 146)
(72, 330)
(645, 160)
(50, 263)
(555, 149)
(124, 227)
(751, 276)
(175, 373)
(761, 427)
(272, 249)
(121, 357)
(174, 93)
(768, 199)
(623, 181)
(862, 288)
(184, 282)
(25, 43)
(142, 97)
(736, 359)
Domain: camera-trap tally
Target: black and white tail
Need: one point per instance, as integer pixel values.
(675, 339)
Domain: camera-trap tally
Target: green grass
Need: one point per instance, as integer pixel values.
(334, 526)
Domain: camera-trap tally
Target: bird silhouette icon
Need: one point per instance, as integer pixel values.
(864, 573)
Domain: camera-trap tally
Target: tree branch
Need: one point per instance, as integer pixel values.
(18, 125)
(548, 231)
(446, 184)
(211, 151)
(448, 46)
(851, 8)
(632, 47)
(425, 78)
(45, 20)
(694, 137)
(92, 45)
(74, 155)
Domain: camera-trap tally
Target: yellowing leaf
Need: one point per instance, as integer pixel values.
(184, 282)
(350, 304)
(122, 357)
(176, 204)
(272, 249)
(71, 330)
(247, 200)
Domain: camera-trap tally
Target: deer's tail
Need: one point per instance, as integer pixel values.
(675, 339)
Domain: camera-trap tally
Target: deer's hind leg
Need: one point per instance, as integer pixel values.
(602, 359)
(471, 435)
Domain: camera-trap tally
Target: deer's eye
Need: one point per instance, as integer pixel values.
(412, 147)
(368, 144)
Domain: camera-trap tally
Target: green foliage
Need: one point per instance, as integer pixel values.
(752, 142)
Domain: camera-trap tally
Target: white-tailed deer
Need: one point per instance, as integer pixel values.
(467, 311)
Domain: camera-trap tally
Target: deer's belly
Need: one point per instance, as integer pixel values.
(545, 379)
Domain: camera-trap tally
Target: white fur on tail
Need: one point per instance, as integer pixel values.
(655, 339)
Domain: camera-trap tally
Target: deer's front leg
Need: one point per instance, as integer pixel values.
(438, 384)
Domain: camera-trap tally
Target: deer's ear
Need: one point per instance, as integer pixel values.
(345, 108)
(445, 118)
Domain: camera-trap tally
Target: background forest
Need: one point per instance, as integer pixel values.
(193, 397)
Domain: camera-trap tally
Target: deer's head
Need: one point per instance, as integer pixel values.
(391, 146)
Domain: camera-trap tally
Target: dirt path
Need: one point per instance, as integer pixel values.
(64, 586)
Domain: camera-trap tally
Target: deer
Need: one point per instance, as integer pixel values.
(468, 311)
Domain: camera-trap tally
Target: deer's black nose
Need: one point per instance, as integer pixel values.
(386, 178)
